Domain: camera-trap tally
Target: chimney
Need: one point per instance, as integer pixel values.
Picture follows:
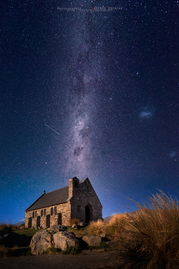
(72, 184)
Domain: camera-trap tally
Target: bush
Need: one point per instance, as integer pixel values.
(151, 238)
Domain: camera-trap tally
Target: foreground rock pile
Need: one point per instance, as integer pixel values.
(58, 238)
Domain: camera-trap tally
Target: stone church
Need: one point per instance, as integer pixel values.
(76, 201)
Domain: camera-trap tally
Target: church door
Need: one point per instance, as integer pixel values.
(88, 213)
(38, 222)
(30, 223)
(59, 218)
(48, 221)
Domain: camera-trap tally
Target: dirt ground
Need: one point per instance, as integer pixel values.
(85, 260)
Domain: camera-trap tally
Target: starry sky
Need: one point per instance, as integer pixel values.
(88, 89)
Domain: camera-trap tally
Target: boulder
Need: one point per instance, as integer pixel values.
(92, 240)
(64, 240)
(41, 242)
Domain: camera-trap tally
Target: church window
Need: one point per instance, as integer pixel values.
(51, 210)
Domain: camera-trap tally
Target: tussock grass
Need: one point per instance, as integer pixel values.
(150, 239)
(110, 228)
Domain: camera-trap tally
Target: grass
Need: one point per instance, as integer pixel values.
(103, 245)
(26, 232)
(150, 239)
(110, 229)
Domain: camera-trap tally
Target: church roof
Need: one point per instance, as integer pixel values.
(50, 198)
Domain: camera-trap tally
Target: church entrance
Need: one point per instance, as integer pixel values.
(88, 213)
(38, 222)
(48, 221)
(30, 223)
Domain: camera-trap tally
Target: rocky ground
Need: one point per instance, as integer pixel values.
(95, 259)
(54, 248)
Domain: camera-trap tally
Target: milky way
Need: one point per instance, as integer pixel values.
(84, 76)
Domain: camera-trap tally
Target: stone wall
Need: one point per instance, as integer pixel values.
(64, 209)
(84, 196)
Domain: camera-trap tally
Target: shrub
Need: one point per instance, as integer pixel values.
(151, 238)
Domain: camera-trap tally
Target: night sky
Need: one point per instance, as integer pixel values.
(88, 89)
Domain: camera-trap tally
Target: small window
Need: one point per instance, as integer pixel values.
(33, 214)
(41, 213)
(44, 212)
(59, 218)
(51, 211)
(55, 210)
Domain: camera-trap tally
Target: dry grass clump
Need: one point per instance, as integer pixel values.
(110, 228)
(115, 226)
(96, 228)
(151, 238)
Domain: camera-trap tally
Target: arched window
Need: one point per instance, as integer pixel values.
(41, 213)
(44, 212)
(51, 211)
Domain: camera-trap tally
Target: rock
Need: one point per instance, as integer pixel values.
(64, 240)
(57, 228)
(41, 242)
(92, 240)
(74, 226)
